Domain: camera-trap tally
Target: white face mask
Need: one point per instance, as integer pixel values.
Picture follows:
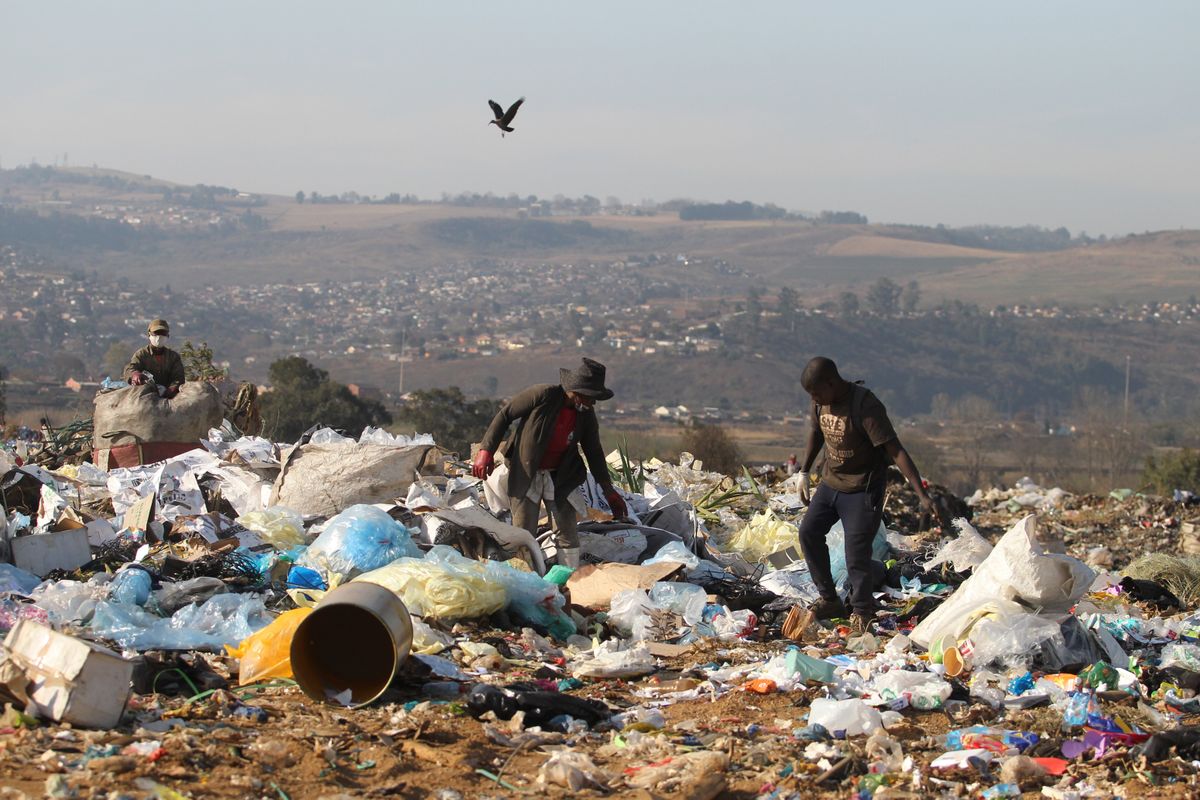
(156, 340)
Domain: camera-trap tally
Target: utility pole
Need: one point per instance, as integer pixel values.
(403, 358)
(1128, 361)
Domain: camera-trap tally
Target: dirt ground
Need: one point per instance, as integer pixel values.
(436, 750)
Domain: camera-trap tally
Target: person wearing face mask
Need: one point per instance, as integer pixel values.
(554, 421)
(156, 362)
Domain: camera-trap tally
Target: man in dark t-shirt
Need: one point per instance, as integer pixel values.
(853, 427)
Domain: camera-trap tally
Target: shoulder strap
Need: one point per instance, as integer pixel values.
(857, 398)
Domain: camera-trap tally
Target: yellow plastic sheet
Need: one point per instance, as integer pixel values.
(267, 653)
(763, 535)
(430, 588)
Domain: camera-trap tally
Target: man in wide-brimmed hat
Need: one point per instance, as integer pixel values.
(544, 463)
(156, 363)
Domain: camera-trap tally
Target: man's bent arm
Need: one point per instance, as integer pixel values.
(908, 469)
(816, 440)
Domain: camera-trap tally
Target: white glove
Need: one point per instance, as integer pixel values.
(805, 488)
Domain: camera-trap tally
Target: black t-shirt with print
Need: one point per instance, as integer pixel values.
(853, 452)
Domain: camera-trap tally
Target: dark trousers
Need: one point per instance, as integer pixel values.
(860, 513)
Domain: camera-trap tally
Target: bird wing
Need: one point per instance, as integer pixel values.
(496, 109)
(512, 112)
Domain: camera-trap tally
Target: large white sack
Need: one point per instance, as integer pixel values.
(326, 479)
(1016, 570)
(137, 414)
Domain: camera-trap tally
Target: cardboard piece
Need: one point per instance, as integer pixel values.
(42, 552)
(594, 585)
(138, 515)
(797, 623)
(665, 650)
(67, 679)
(100, 531)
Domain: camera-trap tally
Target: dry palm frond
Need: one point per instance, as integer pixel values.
(1180, 575)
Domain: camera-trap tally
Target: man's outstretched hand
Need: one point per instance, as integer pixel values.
(616, 503)
(805, 488)
(136, 378)
(484, 464)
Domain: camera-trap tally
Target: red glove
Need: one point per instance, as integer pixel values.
(616, 503)
(484, 464)
(170, 392)
(136, 378)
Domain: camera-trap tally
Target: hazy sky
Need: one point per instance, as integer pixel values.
(1084, 114)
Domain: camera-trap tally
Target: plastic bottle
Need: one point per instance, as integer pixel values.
(131, 587)
(1076, 712)
(540, 707)
(442, 690)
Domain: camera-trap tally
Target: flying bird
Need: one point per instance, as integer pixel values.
(503, 118)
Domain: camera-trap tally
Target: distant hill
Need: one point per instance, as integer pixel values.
(291, 241)
(1156, 266)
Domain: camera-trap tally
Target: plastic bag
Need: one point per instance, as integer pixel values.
(923, 690)
(1016, 570)
(1012, 639)
(1181, 655)
(572, 770)
(380, 436)
(844, 717)
(131, 586)
(836, 542)
(268, 653)
(225, 619)
(532, 599)
(279, 526)
(359, 539)
(675, 552)
(175, 596)
(629, 611)
(328, 436)
(16, 580)
(71, 602)
(685, 599)
(443, 585)
(965, 552)
(689, 770)
(607, 662)
(763, 535)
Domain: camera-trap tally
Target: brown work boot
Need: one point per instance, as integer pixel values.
(829, 609)
(861, 623)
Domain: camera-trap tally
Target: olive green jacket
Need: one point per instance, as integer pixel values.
(166, 366)
(536, 408)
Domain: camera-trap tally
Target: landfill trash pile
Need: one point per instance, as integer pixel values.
(175, 630)
(1108, 531)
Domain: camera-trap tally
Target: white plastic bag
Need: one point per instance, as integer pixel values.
(1016, 569)
(610, 663)
(923, 690)
(685, 599)
(573, 770)
(629, 612)
(967, 551)
(844, 717)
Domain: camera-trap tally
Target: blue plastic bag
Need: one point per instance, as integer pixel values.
(131, 586)
(359, 539)
(836, 541)
(16, 580)
(532, 599)
(305, 578)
